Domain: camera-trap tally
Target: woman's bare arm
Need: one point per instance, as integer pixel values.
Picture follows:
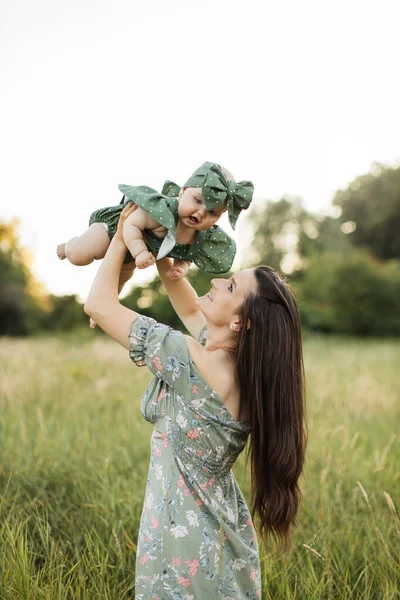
(183, 298)
(102, 303)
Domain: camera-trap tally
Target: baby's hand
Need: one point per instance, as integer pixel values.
(178, 271)
(144, 259)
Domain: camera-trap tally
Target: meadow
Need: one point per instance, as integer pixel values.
(74, 457)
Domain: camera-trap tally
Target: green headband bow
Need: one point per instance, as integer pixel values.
(217, 189)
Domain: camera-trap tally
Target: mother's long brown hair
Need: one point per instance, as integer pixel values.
(270, 374)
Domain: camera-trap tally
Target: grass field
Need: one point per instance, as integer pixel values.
(74, 457)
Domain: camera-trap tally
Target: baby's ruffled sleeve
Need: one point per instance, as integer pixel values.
(217, 252)
(160, 207)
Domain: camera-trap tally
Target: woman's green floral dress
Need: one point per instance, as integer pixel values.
(196, 537)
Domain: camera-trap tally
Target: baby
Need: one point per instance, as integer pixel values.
(179, 222)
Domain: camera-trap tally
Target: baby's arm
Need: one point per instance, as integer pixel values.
(179, 270)
(133, 229)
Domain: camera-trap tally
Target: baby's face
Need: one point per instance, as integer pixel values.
(193, 213)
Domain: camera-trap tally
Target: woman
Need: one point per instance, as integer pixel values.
(245, 374)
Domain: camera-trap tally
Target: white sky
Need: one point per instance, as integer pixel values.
(298, 96)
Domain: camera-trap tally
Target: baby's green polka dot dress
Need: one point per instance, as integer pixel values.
(213, 251)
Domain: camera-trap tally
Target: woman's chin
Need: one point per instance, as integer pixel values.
(201, 303)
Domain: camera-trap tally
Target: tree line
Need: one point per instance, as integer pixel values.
(344, 266)
(25, 307)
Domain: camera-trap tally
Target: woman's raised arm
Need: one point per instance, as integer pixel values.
(102, 303)
(183, 298)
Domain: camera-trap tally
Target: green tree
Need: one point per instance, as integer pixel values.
(286, 235)
(21, 297)
(320, 233)
(65, 313)
(366, 296)
(276, 231)
(371, 211)
(350, 293)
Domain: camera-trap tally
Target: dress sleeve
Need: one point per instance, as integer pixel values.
(163, 350)
(217, 252)
(159, 206)
(203, 335)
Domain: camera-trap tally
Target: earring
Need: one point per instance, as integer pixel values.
(233, 327)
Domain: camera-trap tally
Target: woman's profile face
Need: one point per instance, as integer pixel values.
(222, 303)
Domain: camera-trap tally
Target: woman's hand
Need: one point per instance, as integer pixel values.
(127, 211)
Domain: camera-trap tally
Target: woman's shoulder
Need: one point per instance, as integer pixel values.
(217, 369)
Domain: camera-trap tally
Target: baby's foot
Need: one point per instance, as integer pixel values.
(92, 323)
(61, 251)
(144, 259)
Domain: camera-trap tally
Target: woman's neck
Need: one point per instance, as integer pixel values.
(220, 338)
(184, 235)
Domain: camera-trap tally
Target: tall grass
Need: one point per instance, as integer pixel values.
(74, 457)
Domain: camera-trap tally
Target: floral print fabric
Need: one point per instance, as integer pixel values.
(196, 537)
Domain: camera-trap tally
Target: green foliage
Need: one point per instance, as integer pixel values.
(65, 313)
(353, 294)
(75, 455)
(25, 308)
(276, 230)
(372, 203)
(19, 311)
(366, 296)
(320, 234)
(313, 291)
(286, 234)
(341, 288)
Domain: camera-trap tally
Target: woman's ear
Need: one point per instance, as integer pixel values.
(237, 325)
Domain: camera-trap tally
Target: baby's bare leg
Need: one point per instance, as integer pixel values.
(179, 270)
(91, 245)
